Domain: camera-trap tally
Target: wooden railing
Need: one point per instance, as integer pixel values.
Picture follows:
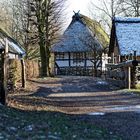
(123, 74)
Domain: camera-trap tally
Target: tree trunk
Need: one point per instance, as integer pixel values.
(42, 53)
(43, 60)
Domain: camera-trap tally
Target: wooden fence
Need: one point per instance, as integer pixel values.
(123, 74)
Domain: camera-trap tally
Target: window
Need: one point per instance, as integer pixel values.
(78, 57)
(60, 55)
(90, 55)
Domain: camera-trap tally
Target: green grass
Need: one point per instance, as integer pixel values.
(20, 125)
(135, 91)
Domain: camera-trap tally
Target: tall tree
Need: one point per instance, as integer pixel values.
(36, 24)
(47, 17)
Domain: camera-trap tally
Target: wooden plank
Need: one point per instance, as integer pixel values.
(129, 63)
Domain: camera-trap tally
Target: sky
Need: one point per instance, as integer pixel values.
(76, 5)
(81, 5)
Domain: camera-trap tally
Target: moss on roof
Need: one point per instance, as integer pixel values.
(95, 27)
(81, 29)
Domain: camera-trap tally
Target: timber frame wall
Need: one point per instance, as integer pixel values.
(75, 67)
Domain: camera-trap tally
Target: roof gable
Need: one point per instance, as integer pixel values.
(76, 36)
(97, 29)
(128, 35)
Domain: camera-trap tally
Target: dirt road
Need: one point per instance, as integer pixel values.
(94, 99)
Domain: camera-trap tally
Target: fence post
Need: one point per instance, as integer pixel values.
(133, 74)
(126, 77)
(4, 74)
(23, 75)
(129, 77)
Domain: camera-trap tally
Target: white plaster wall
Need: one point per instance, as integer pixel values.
(89, 63)
(13, 56)
(66, 56)
(65, 63)
(77, 64)
(62, 63)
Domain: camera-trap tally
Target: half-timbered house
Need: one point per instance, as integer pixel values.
(79, 52)
(125, 39)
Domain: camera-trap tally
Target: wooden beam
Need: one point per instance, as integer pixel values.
(69, 54)
(4, 77)
(129, 63)
(129, 77)
(2, 89)
(23, 75)
(119, 58)
(113, 59)
(135, 55)
(85, 57)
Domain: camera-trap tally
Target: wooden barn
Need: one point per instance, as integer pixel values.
(125, 39)
(79, 51)
(9, 49)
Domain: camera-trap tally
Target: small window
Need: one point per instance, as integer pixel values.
(60, 55)
(78, 57)
(90, 55)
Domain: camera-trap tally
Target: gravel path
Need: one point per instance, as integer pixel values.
(93, 98)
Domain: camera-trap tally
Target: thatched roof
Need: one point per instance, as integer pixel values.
(14, 46)
(81, 35)
(127, 34)
(97, 29)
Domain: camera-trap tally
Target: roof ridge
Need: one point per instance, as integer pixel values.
(127, 19)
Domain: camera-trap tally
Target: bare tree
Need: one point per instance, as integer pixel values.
(131, 8)
(107, 9)
(95, 52)
(47, 17)
(22, 29)
(15, 19)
